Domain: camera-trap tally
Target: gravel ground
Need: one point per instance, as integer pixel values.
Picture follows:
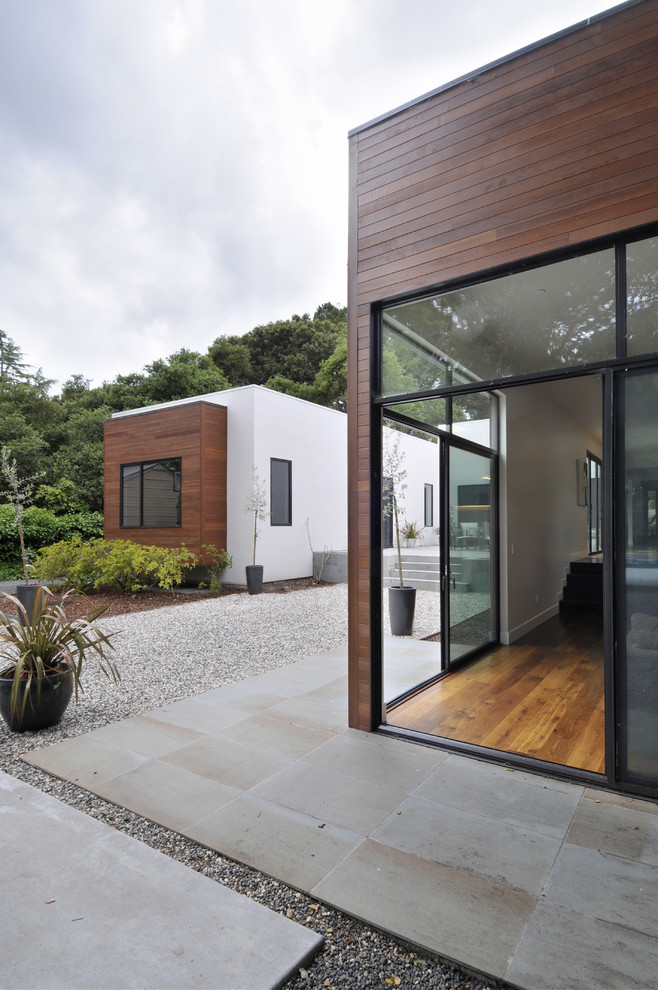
(158, 655)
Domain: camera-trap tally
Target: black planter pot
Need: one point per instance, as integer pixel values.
(43, 707)
(28, 595)
(254, 578)
(401, 608)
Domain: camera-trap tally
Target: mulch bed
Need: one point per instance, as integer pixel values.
(79, 606)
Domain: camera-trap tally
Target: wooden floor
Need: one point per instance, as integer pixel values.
(541, 697)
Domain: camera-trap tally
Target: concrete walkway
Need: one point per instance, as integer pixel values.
(86, 906)
(537, 882)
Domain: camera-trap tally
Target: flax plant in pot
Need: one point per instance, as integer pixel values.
(256, 504)
(401, 598)
(42, 658)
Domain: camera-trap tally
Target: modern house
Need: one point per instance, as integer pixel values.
(503, 267)
(180, 472)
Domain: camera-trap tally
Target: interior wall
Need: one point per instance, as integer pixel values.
(548, 428)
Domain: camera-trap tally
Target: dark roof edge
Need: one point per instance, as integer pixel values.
(492, 65)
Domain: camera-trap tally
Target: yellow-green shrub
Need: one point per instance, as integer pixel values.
(113, 565)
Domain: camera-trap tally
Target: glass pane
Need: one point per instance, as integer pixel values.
(642, 294)
(556, 316)
(161, 487)
(471, 418)
(467, 416)
(410, 560)
(281, 514)
(131, 485)
(641, 572)
(469, 577)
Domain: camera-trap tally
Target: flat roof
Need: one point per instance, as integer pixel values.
(492, 65)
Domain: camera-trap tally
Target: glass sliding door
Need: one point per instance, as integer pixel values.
(469, 588)
(637, 578)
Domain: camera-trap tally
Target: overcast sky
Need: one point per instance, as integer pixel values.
(175, 171)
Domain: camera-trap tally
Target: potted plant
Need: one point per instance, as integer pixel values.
(41, 660)
(256, 503)
(411, 532)
(19, 492)
(401, 599)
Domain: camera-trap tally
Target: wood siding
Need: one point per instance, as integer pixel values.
(197, 434)
(545, 151)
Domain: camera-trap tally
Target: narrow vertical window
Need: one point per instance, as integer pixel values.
(429, 506)
(280, 492)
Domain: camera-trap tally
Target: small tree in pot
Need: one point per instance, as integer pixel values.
(19, 493)
(401, 599)
(256, 503)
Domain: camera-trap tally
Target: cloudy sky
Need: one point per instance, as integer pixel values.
(176, 170)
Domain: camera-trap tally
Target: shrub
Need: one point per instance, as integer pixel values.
(113, 565)
(216, 562)
(41, 528)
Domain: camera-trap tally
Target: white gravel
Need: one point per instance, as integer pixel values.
(172, 653)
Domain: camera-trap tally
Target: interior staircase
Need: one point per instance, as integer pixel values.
(584, 588)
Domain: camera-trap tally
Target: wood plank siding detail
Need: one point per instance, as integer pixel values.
(545, 151)
(195, 432)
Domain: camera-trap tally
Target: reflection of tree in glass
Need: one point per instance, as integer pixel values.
(558, 315)
(642, 296)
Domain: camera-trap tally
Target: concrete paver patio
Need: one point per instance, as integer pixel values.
(538, 882)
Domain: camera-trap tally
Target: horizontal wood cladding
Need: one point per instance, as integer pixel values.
(195, 432)
(518, 159)
(542, 152)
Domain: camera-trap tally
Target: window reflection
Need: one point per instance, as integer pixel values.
(555, 316)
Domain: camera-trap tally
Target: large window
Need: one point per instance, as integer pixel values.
(559, 315)
(151, 494)
(280, 492)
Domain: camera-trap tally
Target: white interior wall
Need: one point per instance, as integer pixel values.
(548, 428)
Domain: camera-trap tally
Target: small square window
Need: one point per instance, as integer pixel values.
(151, 494)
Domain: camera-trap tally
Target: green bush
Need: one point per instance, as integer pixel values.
(41, 528)
(216, 562)
(121, 565)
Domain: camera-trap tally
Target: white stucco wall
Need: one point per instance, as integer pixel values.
(314, 439)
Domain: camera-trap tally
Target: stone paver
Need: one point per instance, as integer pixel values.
(539, 882)
(110, 911)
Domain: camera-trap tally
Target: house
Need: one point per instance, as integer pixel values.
(503, 268)
(180, 472)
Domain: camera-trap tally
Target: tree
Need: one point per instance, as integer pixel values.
(18, 490)
(231, 356)
(394, 470)
(12, 365)
(287, 352)
(256, 503)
